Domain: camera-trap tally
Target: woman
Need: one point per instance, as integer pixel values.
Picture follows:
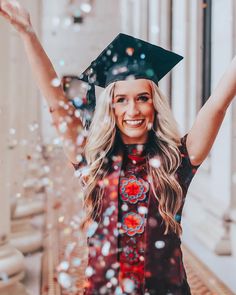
(138, 168)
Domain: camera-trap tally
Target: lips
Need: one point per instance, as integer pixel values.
(134, 123)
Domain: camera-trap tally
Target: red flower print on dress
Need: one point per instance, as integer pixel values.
(129, 254)
(133, 223)
(133, 189)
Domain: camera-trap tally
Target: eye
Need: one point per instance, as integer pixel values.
(143, 98)
(120, 100)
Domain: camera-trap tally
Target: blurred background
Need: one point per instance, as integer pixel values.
(41, 248)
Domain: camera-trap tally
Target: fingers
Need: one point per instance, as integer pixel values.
(8, 9)
(4, 7)
(4, 14)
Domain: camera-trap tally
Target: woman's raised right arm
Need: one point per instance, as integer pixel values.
(63, 112)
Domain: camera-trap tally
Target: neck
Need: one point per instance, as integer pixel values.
(134, 140)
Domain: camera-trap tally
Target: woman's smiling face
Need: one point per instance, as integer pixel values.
(133, 109)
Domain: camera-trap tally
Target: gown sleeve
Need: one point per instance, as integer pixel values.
(186, 170)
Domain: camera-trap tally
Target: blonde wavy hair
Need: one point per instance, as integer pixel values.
(101, 141)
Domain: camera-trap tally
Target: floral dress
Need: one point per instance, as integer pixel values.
(133, 198)
(128, 251)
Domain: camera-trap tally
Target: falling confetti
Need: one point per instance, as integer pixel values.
(80, 139)
(124, 207)
(142, 56)
(65, 280)
(62, 62)
(110, 273)
(128, 285)
(106, 221)
(86, 7)
(115, 58)
(114, 281)
(79, 158)
(106, 248)
(46, 169)
(140, 148)
(76, 262)
(159, 244)
(61, 219)
(55, 21)
(69, 248)
(78, 102)
(130, 51)
(63, 127)
(155, 162)
(67, 22)
(12, 131)
(150, 72)
(56, 82)
(142, 210)
(89, 271)
(92, 228)
(118, 291)
(63, 266)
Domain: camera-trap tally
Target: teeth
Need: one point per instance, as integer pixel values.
(134, 122)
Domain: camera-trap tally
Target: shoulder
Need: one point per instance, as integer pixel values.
(184, 152)
(186, 169)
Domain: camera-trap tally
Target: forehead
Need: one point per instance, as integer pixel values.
(132, 86)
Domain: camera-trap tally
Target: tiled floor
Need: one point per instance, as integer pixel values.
(222, 266)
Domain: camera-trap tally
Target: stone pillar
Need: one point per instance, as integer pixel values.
(180, 72)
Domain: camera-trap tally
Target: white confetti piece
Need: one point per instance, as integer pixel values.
(92, 228)
(110, 273)
(89, 271)
(65, 280)
(56, 82)
(128, 285)
(106, 248)
(86, 7)
(63, 266)
(155, 162)
(159, 244)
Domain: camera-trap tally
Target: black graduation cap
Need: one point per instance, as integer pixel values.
(126, 57)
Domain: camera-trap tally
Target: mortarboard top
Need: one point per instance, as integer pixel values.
(126, 57)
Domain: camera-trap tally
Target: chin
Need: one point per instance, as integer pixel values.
(135, 137)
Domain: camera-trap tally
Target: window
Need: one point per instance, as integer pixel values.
(206, 47)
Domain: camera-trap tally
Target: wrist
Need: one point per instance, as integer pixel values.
(28, 33)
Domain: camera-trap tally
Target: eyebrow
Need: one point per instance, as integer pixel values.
(142, 93)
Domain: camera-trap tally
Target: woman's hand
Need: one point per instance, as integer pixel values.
(17, 15)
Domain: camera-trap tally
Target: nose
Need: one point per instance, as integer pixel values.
(132, 109)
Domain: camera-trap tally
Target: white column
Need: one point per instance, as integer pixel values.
(159, 21)
(180, 72)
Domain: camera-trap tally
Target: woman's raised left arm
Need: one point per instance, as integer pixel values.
(210, 117)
